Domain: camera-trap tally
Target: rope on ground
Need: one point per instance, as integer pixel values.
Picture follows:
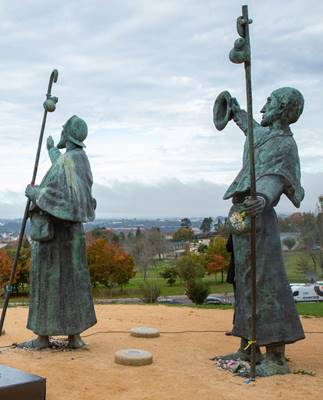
(180, 332)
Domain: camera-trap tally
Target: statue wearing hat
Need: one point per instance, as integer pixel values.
(60, 289)
(277, 172)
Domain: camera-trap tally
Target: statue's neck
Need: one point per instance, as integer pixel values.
(279, 126)
(71, 146)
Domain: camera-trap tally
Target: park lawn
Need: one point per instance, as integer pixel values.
(311, 309)
(291, 259)
(133, 287)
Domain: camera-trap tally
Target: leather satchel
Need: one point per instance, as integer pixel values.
(42, 229)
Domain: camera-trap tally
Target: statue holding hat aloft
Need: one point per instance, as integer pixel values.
(265, 312)
(60, 289)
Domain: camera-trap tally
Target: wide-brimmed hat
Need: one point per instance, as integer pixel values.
(76, 130)
(222, 112)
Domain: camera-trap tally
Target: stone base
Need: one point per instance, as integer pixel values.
(19, 385)
(133, 357)
(144, 332)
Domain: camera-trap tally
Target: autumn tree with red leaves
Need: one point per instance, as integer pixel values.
(22, 273)
(109, 265)
(5, 268)
(217, 257)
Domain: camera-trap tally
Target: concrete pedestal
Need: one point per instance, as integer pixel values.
(19, 385)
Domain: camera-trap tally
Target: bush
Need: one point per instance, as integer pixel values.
(202, 248)
(191, 267)
(197, 291)
(289, 242)
(169, 274)
(150, 291)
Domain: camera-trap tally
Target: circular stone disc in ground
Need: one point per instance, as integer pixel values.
(133, 357)
(144, 332)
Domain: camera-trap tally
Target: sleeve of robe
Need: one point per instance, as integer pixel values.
(276, 155)
(279, 156)
(66, 190)
(241, 119)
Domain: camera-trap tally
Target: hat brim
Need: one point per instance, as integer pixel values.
(77, 142)
(222, 110)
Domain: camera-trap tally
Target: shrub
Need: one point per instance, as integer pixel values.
(197, 291)
(170, 274)
(191, 267)
(150, 291)
(289, 242)
(202, 248)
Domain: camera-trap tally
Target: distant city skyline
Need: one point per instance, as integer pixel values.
(144, 75)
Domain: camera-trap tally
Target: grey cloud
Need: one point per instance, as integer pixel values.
(167, 198)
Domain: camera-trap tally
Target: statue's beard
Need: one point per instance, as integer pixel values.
(268, 119)
(62, 143)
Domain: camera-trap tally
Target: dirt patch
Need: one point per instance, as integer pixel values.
(181, 368)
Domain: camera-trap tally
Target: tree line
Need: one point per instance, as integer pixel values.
(114, 258)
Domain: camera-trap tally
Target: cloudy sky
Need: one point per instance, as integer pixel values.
(144, 75)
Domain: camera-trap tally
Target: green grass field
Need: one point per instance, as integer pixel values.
(290, 259)
(132, 289)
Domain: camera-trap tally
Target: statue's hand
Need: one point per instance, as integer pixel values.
(255, 206)
(30, 192)
(235, 106)
(50, 143)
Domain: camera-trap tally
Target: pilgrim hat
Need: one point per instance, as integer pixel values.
(222, 112)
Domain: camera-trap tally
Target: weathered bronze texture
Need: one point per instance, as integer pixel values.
(265, 311)
(60, 289)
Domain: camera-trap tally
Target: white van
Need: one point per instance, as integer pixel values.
(307, 291)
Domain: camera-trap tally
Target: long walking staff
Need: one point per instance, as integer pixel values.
(49, 106)
(241, 53)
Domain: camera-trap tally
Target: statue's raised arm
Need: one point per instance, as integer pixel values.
(226, 108)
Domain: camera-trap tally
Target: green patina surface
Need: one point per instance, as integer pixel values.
(277, 172)
(60, 290)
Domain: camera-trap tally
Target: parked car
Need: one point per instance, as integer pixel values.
(167, 300)
(211, 299)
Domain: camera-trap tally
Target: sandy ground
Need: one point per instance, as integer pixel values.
(181, 368)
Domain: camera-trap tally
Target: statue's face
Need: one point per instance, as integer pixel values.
(270, 111)
(62, 142)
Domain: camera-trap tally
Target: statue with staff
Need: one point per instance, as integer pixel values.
(265, 310)
(60, 289)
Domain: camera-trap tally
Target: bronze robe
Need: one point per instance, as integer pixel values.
(60, 289)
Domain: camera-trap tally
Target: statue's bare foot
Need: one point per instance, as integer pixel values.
(269, 367)
(75, 342)
(42, 342)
